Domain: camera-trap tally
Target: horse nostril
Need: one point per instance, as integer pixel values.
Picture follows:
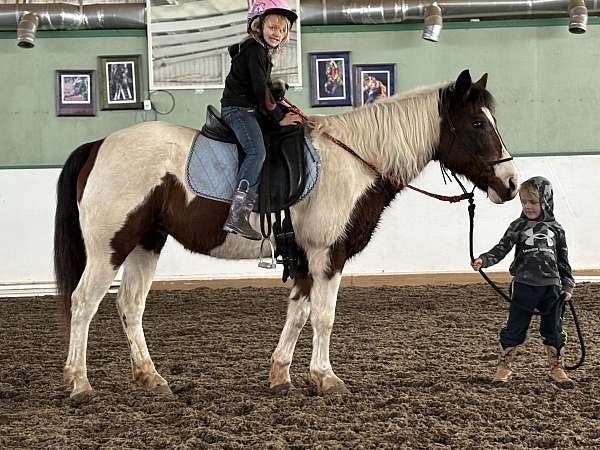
(513, 184)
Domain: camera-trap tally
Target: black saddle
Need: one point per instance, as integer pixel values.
(283, 181)
(283, 178)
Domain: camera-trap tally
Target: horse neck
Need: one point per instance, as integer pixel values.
(397, 135)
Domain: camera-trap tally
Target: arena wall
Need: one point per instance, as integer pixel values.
(544, 80)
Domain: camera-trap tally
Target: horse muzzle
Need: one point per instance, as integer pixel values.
(504, 191)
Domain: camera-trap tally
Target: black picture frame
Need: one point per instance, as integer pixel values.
(330, 82)
(121, 81)
(75, 92)
(373, 82)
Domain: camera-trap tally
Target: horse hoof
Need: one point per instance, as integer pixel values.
(82, 397)
(161, 389)
(567, 384)
(282, 389)
(339, 388)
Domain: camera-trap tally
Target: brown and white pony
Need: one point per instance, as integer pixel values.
(119, 199)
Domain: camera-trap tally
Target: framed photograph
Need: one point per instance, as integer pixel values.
(330, 79)
(75, 93)
(120, 81)
(373, 82)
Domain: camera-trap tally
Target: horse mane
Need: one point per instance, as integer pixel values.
(398, 134)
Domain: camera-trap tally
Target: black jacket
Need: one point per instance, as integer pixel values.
(247, 83)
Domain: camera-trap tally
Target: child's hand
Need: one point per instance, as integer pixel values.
(290, 119)
(476, 265)
(566, 296)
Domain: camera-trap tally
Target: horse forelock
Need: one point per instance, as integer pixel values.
(398, 134)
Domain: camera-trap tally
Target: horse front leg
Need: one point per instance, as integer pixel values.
(297, 315)
(323, 298)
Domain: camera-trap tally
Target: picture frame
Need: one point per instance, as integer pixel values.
(75, 92)
(373, 82)
(120, 81)
(330, 82)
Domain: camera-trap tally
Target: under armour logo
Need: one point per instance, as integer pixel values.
(532, 237)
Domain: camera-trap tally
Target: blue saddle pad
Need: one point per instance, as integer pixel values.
(212, 168)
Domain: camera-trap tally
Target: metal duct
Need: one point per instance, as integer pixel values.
(26, 30)
(344, 12)
(433, 23)
(63, 16)
(578, 14)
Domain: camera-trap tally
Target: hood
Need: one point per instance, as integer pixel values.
(544, 188)
(236, 49)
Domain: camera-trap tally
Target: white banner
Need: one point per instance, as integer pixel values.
(188, 41)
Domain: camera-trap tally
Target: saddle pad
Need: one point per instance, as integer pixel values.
(212, 168)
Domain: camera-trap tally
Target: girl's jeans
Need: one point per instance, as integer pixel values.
(525, 299)
(245, 125)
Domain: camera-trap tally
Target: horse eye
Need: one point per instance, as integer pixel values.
(478, 124)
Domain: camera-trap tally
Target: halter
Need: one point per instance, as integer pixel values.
(445, 112)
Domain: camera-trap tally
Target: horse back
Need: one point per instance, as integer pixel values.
(134, 160)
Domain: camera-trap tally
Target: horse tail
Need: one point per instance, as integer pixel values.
(69, 248)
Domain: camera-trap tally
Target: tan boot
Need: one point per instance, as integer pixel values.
(557, 369)
(503, 370)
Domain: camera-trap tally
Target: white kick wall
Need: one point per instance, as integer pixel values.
(417, 234)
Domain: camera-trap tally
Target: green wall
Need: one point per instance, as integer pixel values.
(545, 81)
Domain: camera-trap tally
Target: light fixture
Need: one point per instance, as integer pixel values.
(26, 30)
(433, 23)
(578, 16)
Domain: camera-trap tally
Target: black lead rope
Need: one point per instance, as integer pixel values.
(508, 299)
(579, 335)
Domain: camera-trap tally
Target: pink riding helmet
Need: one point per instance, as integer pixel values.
(264, 7)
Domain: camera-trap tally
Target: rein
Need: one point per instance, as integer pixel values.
(392, 179)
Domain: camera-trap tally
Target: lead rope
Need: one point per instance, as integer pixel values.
(452, 199)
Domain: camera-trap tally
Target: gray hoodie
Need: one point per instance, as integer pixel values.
(541, 255)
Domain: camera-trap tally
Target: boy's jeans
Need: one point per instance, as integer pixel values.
(525, 299)
(245, 125)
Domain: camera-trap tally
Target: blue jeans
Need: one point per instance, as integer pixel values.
(526, 298)
(245, 125)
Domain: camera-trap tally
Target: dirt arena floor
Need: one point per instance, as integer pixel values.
(417, 359)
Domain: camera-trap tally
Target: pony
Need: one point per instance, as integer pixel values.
(119, 198)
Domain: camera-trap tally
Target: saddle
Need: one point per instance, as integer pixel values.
(283, 178)
(283, 183)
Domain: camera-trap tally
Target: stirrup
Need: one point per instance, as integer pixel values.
(263, 264)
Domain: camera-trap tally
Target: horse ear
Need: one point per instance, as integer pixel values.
(482, 81)
(463, 84)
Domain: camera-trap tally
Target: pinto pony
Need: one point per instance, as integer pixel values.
(119, 199)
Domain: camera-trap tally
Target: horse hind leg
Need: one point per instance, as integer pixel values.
(93, 285)
(139, 268)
